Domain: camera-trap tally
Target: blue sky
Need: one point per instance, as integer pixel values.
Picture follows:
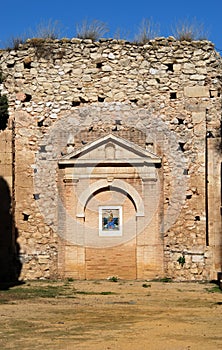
(19, 17)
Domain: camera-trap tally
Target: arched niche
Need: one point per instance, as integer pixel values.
(118, 185)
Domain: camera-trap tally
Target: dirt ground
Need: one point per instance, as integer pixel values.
(102, 315)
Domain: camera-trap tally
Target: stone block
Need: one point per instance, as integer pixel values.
(44, 259)
(197, 258)
(198, 117)
(106, 68)
(196, 91)
(197, 77)
(200, 130)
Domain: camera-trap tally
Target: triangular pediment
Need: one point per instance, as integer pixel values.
(110, 149)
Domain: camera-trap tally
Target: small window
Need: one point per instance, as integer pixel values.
(25, 216)
(28, 98)
(99, 65)
(173, 95)
(170, 67)
(36, 196)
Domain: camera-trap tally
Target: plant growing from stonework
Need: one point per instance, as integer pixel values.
(48, 30)
(43, 49)
(147, 30)
(113, 279)
(14, 42)
(181, 260)
(189, 30)
(122, 34)
(91, 30)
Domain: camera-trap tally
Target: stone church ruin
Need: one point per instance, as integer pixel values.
(112, 154)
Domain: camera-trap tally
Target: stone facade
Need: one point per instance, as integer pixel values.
(107, 125)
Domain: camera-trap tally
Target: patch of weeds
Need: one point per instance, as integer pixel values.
(44, 292)
(130, 302)
(181, 260)
(43, 47)
(122, 34)
(146, 31)
(29, 292)
(50, 292)
(92, 293)
(48, 29)
(85, 292)
(189, 30)
(14, 42)
(215, 289)
(164, 280)
(70, 297)
(3, 301)
(91, 30)
(113, 279)
(68, 281)
(145, 285)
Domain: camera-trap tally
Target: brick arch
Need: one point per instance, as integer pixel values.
(103, 184)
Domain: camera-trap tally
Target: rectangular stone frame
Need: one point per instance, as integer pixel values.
(117, 232)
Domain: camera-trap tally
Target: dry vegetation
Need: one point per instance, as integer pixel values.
(101, 315)
(186, 29)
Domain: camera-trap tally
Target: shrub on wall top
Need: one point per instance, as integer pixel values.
(146, 31)
(189, 30)
(91, 30)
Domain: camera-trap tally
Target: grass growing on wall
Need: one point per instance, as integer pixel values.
(91, 30)
(189, 30)
(184, 29)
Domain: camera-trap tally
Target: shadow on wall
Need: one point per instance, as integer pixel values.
(10, 265)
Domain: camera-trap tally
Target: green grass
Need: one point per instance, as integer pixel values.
(27, 292)
(214, 289)
(93, 293)
(3, 301)
(36, 290)
(113, 279)
(164, 280)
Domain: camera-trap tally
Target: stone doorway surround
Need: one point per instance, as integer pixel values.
(111, 172)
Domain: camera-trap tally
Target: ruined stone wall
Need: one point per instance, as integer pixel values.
(7, 229)
(65, 93)
(6, 156)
